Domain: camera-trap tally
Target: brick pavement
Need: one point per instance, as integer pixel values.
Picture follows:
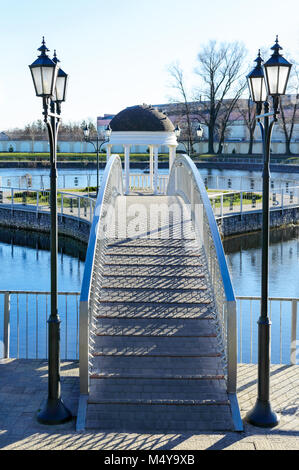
(23, 389)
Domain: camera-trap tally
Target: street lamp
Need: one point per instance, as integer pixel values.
(97, 148)
(199, 131)
(268, 79)
(177, 131)
(50, 83)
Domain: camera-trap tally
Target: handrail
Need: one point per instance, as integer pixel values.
(185, 181)
(110, 189)
(24, 318)
(185, 159)
(250, 200)
(284, 321)
(76, 201)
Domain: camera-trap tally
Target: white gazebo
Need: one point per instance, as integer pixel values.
(144, 126)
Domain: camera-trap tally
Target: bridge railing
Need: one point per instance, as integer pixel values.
(111, 188)
(283, 313)
(142, 182)
(230, 202)
(24, 327)
(185, 181)
(36, 200)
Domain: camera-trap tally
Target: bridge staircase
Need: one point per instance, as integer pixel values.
(156, 359)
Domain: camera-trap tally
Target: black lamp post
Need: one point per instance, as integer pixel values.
(97, 147)
(268, 79)
(50, 83)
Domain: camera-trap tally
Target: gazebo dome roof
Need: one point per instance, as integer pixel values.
(141, 118)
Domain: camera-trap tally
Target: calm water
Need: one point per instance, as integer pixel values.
(244, 262)
(25, 265)
(71, 178)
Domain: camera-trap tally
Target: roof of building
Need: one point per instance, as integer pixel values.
(141, 118)
(3, 136)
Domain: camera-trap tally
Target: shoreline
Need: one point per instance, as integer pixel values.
(274, 167)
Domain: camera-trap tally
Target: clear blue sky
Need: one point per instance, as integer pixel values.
(117, 51)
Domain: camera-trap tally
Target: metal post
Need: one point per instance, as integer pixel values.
(231, 322)
(221, 204)
(97, 164)
(37, 202)
(262, 414)
(294, 333)
(54, 412)
(6, 333)
(12, 199)
(241, 202)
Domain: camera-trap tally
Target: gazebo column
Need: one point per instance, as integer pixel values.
(127, 168)
(108, 151)
(151, 167)
(172, 154)
(156, 148)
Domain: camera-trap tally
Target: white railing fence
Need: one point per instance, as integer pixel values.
(24, 324)
(142, 182)
(248, 183)
(284, 330)
(185, 181)
(111, 188)
(70, 204)
(239, 202)
(24, 329)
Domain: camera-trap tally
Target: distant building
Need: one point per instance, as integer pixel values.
(3, 136)
(237, 132)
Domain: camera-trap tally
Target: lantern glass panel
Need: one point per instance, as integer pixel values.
(283, 79)
(272, 79)
(48, 73)
(37, 78)
(257, 89)
(60, 89)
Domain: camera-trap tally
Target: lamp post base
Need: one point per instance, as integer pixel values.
(55, 412)
(262, 415)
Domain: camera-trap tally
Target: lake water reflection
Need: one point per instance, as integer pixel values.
(25, 265)
(244, 261)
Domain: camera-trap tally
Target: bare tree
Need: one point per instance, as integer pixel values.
(248, 114)
(222, 77)
(290, 110)
(182, 104)
(224, 121)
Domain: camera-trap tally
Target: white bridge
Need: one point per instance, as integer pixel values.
(158, 345)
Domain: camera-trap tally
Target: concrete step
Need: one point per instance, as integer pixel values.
(172, 346)
(153, 270)
(155, 310)
(154, 242)
(159, 418)
(158, 327)
(154, 282)
(185, 296)
(153, 251)
(160, 366)
(130, 398)
(159, 260)
(156, 389)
